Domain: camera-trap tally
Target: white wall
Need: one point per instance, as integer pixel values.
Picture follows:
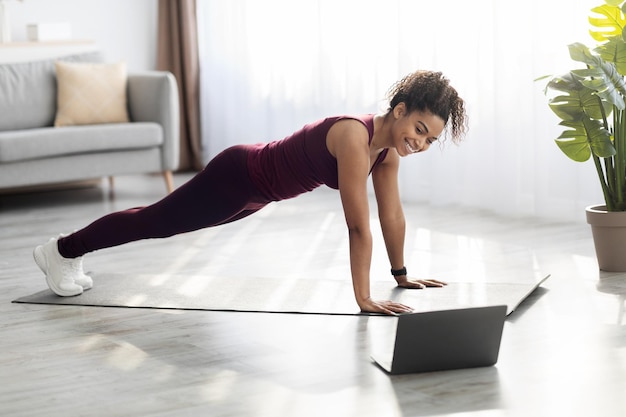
(124, 30)
(508, 163)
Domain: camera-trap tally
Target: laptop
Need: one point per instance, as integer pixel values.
(444, 340)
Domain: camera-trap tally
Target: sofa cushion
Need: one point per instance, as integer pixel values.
(90, 93)
(39, 143)
(28, 92)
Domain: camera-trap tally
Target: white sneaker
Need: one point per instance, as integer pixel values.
(81, 279)
(61, 273)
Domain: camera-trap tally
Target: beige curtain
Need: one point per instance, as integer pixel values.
(178, 53)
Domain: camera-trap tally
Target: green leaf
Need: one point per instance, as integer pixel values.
(574, 145)
(610, 22)
(565, 82)
(580, 53)
(577, 101)
(614, 51)
(584, 137)
(600, 76)
(574, 106)
(593, 79)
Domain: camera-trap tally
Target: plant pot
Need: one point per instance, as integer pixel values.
(609, 237)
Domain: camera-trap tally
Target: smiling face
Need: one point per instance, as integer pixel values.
(415, 131)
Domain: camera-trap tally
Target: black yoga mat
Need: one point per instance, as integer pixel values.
(278, 295)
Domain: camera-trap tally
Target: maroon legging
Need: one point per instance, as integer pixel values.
(219, 194)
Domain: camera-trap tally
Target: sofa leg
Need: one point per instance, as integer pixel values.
(169, 181)
(111, 186)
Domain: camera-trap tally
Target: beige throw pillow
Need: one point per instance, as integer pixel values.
(90, 93)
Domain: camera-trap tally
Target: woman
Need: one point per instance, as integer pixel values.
(339, 152)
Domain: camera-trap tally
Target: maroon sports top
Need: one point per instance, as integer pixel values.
(300, 162)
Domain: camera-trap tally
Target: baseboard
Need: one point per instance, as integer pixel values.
(68, 185)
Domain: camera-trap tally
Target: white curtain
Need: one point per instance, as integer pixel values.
(268, 67)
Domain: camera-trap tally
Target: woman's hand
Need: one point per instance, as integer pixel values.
(418, 284)
(386, 307)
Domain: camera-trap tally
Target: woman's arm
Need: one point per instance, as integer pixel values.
(348, 142)
(391, 217)
(390, 213)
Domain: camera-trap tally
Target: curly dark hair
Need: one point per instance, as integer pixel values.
(431, 91)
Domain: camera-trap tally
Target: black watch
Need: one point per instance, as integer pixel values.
(398, 272)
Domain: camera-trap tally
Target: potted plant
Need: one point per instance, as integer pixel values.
(591, 103)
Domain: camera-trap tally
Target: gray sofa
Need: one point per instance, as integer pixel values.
(33, 152)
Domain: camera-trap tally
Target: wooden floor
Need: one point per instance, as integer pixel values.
(563, 351)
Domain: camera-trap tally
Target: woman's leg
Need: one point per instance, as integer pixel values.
(221, 193)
